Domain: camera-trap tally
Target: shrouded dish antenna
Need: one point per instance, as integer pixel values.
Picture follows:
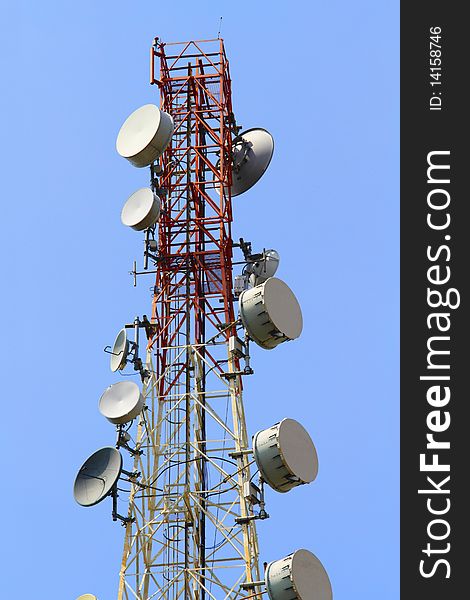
(119, 352)
(271, 313)
(285, 455)
(121, 402)
(299, 576)
(97, 476)
(141, 210)
(87, 597)
(252, 153)
(145, 135)
(265, 268)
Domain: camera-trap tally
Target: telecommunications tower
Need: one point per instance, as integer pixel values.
(197, 478)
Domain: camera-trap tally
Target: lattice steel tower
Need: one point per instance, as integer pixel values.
(190, 528)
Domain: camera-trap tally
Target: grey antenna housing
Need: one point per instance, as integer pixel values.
(121, 402)
(145, 135)
(285, 455)
(299, 576)
(141, 210)
(252, 153)
(97, 476)
(119, 352)
(265, 268)
(271, 313)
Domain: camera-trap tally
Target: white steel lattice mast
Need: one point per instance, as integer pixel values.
(190, 527)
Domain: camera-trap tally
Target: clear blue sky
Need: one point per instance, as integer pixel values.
(323, 78)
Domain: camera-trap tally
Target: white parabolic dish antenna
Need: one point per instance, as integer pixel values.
(87, 597)
(121, 402)
(252, 153)
(97, 476)
(264, 269)
(271, 313)
(119, 351)
(144, 135)
(299, 576)
(285, 455)
(141, 210)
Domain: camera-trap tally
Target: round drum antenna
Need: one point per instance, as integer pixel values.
(270, 313)
(87, 597)
(141, 210)
(121, 402)
(144, 135)
(299, 576)
(252, 153)
(97, 476)
(285, 455)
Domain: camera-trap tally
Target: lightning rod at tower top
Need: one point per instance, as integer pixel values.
(198, 481)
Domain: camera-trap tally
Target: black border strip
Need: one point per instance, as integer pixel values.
(435, 251)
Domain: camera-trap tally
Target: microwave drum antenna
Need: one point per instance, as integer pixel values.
(285, 455)
(121, 402)
(299, 576)
(97, 476)
(144, 135)
(141, 210)
(252, 152)
(271, 313)
(119, 352)
(87, 597)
